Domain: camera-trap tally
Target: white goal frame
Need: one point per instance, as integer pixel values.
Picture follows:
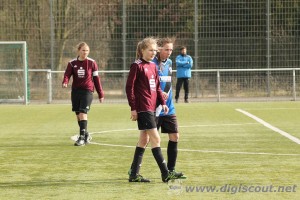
(24, 100)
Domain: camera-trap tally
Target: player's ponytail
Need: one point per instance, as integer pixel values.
(138, 51)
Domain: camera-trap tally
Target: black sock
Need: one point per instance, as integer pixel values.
(137, 161)
(86, 131)
(172, 154)
(82, 127)
(160, 160)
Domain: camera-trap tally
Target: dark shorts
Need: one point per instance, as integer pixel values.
(168, 124)
(146, 120)
(81, 100)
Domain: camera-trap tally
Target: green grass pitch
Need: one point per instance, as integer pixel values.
(219, 147)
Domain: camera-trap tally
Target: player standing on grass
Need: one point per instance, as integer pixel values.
(85, 78)
(167, 122)
(184, 63)
(143, 91)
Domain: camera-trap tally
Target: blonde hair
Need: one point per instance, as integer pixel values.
(144, 44)
(138, 53)
(80, 45)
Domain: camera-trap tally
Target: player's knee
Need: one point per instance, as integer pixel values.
(143, 142)
(155, 141)
(174, 137)
(82, 116)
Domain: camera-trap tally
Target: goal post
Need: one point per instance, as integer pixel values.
(14, 86)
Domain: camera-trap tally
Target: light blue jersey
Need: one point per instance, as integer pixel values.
(165, 77)
(184, 63)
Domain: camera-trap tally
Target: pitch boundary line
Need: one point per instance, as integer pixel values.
(202, 151)
(266, 124)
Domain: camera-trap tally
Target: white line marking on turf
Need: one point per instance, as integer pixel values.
(273, 108)
(281, 132)
(212, 125)
(192, 150)
(201, 125)
(75, 137)
(117, 130)
(202, 151)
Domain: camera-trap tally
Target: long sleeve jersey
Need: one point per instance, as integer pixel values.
(85, 75)
(142, 87)
(165, 76)
(184, 63)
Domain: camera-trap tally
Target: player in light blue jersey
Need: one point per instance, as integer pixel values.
(167, 121)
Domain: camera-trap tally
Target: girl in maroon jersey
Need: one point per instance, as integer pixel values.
(143, 90)
(84, 71)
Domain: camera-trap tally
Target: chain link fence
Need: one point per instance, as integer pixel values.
(219, 34)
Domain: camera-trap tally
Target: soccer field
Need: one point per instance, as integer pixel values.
(224, 153)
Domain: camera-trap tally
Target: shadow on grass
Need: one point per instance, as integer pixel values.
(47, 183)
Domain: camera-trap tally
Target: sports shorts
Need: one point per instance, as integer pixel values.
(146, 120)
(167, 123)
(81, 100)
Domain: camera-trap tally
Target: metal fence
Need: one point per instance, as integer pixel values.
(215, 85)
(219, 35)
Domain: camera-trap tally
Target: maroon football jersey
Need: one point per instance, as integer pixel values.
(142, 87)
(85, 75)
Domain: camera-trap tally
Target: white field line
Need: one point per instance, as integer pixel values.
(273, 108)
(202, 151)
(216, 125)
(117, 130)
(193, 150)
(188, 150)
(281, 132)
(203, 125)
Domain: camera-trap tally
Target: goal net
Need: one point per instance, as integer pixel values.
(13, 72)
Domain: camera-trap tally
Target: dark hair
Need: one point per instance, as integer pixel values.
(162, 41)
(182, 47)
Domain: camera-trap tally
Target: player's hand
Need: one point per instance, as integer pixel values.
(64, 85)
(165, 95)
(165, 109)
(133, 115)
(101, 100)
